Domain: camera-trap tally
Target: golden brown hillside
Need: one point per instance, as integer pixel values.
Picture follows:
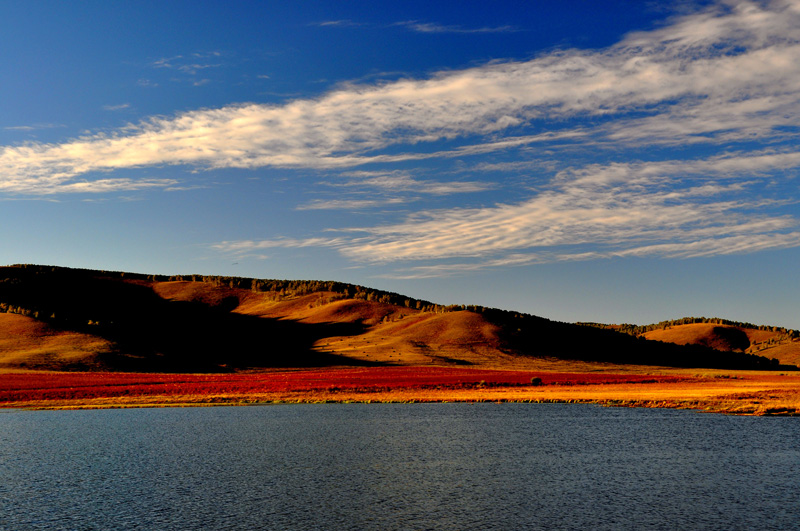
(65, 319)
(767, 342)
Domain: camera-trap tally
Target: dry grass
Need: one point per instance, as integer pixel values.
(460, 338)
(721, 337)
(727, 337)
(32, 344)
(787, 353)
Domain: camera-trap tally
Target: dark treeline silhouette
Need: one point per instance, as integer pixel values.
(281, 289)
(637, 330)
(156, 334)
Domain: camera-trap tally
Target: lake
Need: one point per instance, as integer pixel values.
(397, 466)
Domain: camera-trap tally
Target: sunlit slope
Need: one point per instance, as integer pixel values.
(27, 343)
(385, 333)
(771, 343)
(461, 338)
(59, 318)
(720, 337)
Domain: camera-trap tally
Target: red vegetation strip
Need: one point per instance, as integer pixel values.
(17, 387)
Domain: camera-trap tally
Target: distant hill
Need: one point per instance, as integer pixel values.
(70, 319)
(725, 335)
(778, 343)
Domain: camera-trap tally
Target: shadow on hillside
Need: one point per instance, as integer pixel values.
(726, 338)
(536, 336)
(186, 336)
(153, 334)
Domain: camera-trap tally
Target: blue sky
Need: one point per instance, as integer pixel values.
(582, 161)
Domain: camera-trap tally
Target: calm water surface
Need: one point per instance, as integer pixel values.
(403, 466)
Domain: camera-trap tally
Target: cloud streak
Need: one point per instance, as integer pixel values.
(402, 181)
(33, 127)
(120, 107)
(430, 27)
(349, 204)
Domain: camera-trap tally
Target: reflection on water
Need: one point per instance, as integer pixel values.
(397, 466)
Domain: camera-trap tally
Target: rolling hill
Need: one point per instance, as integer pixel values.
(770, 342)
(54, 318)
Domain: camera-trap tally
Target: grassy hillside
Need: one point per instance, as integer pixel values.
(765, 341)
(27, 342)
(62, 319)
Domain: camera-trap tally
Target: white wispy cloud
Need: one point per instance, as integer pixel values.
(667, 208)
(349, 204)
(248, 246)
(740, 244)
(166, 62)
(615, 217)
(419, 26)
(190, 64)
(384, 188)
(343, 23)
(402, 181)
(96, 186)
(31, 127)
(430, 27)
